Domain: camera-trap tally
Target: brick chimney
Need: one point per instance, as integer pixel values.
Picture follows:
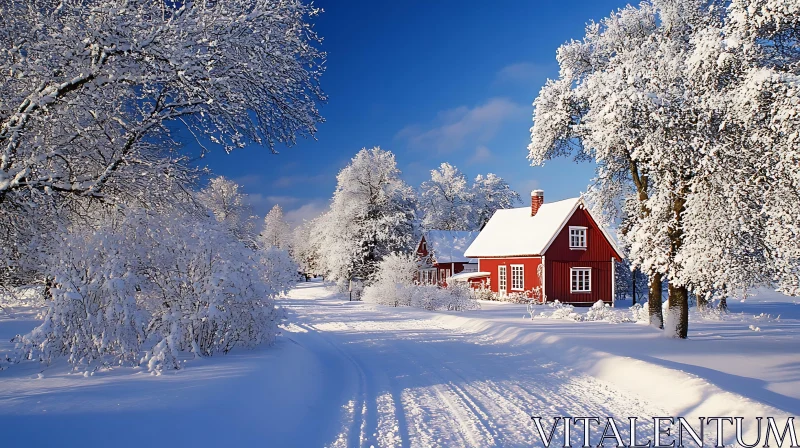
(537, 199)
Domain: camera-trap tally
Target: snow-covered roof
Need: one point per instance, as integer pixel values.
(514, 232)
(448, 246)
(464, 276)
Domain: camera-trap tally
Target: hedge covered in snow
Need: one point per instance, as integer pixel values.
(393, 286)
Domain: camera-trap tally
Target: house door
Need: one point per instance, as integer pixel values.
(501, 280)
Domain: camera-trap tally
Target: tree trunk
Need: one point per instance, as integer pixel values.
(678, 308)
(702, 302)
(723, 304)
(633, 293)
(654, 301)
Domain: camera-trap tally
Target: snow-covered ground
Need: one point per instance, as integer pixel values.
(354, 374)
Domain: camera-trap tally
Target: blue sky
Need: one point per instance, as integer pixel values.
(432, 81)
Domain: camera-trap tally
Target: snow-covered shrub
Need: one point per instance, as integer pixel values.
(457, 297)
(208, 292)
(483, 293)
(639, 313)
(393, 281)
(393, 286)
(92, 313)
(162, 283)
(601, 311)
(563, 311)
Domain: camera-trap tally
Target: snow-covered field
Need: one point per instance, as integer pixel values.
(355, 374)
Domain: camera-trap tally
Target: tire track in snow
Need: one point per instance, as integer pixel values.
(421, 384)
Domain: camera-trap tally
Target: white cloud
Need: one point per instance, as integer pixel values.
(454, 128)
(249, 180)
(524, 72)
(262, 204)
(291, 181)
(482, 154)
(306, 212)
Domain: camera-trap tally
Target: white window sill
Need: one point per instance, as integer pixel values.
(517, 290)
(577, 248)
(580, 292)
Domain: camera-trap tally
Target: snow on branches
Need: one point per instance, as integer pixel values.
(276, 231)
(449, 203)
(689, 109)
(372, 214)
(143, 285)
(92, 90)
(393, 285)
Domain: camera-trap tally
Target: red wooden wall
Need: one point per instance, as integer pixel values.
(597, 247)
(559, 258)
(531, 264)
(558, 279)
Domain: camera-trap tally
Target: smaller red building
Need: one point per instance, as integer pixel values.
(441, 254)
(554, 251)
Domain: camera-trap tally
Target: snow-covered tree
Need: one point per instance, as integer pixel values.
(306, 247)
(684, 106)
(489, 194)
(89, 86)
(569, 119)
(229, 206)
(446, 200)
(276, 231)
(372, 214)
(92, 91)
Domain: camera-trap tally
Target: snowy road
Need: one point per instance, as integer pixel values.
(396, 380)
(351, 374)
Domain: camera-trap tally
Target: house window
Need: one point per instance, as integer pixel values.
(517, 277)
(577, 237)
(501, 279)
(581, 279)
(428, 277)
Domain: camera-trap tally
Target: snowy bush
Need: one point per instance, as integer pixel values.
(458, 297)
(393, 281)
(563, 311)
(162, 283)
(639, 313)
(393, 286)
(599, 312)
(483, 293)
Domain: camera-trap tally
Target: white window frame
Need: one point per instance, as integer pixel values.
(521, 278)
(576, 282)
(582, 235)
(502, 279)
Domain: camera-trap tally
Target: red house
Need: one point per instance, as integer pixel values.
(557, 248)
(441, 254)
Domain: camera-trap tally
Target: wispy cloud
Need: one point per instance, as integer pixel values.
(482, 154)
(261, 204)
(249, 180)
(307, 211)
(524, 72)
(454, 128)
(291, 181)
